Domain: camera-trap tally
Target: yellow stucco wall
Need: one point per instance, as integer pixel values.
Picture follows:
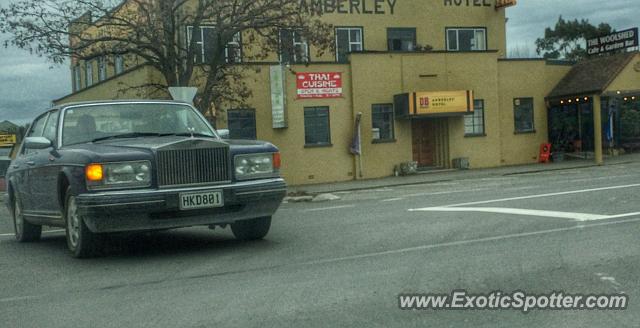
(629, 78)
(123, 86)
(525, 79)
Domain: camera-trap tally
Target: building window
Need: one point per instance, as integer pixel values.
(88, 72)
(293, 47)
(523, 115)
(77, 78)
(348, 39)
(102, 68)
(401, 39)
(205, 39)
(382, 119)
(242, 123)
(316, 126)
(233, 51)
(474, 123)
(466, 39)
(118, 63)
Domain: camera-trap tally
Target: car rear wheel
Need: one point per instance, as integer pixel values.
(25, 231)
(80, 240)
(251, 229)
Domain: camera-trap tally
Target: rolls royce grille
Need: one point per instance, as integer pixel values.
(193, 166)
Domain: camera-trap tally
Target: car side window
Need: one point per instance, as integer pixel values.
(51, 126)
(36, 130)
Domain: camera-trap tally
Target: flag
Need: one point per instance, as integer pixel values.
(356, 144)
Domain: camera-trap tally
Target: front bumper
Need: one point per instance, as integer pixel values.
(139, 210)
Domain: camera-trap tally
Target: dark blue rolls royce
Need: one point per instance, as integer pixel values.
(120, 166)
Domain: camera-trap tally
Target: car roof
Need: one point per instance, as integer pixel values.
(121, 101)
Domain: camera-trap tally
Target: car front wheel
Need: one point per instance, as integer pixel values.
(80, 240)
(25, 231)
(251, 229)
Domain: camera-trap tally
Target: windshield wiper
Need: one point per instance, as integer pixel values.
(188, 134)
(127, 135)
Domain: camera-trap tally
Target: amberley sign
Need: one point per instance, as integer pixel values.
(354, 7)
(385, 7)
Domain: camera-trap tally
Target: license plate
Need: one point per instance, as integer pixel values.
(196, 200)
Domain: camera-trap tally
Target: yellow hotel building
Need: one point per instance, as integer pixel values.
(463, 101)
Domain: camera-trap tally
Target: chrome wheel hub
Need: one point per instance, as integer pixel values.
(73, 222)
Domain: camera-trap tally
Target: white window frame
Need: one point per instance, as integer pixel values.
(475, 117)
(102, 68)
(118, 64)
(77, 78)
(236, 41)
(303, 42)
(88, 72)
(351, 42)
(475, 44)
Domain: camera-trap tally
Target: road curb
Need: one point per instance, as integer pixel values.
(471, 176)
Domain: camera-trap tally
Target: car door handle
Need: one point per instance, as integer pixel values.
(31, 163)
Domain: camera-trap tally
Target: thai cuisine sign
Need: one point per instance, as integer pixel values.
(319, 85)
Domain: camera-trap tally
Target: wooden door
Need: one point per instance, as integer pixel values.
(424, 142)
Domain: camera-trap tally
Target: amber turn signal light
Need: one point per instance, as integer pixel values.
(94, 172)
(276, 161)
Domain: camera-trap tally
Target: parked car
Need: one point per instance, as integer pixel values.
(121, 166)
(5, 160)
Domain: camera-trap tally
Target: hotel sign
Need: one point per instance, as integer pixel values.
(278, 112)
(7, 139)
(505, 3)
(437, 103)
(613, 42)
(319, 85)
(443, 102)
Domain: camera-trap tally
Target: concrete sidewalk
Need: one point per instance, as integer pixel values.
(450, 175)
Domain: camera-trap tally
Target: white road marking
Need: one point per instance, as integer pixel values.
(328, 208)
(18, 298)
(518, 211)
(444, 192)
(391, 200)
(545, 195)
(12, 234)
(471, 241)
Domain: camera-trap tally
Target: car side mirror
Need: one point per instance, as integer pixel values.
(37, 143)
(223, 133)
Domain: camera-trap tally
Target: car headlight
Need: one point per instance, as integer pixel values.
(256, 165)
(116, 175)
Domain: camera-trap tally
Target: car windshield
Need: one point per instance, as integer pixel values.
(99, 122)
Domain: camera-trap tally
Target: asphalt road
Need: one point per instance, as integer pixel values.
(344, 263)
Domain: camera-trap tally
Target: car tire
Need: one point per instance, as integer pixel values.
(80, 240)
(251, 229)
(25, 231)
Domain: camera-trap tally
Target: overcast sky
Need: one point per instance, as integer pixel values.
(28, 84)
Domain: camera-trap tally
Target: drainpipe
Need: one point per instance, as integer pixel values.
(597, 129)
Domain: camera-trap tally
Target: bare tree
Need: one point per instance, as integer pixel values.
(166, 34)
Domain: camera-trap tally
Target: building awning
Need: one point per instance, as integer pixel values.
(592, 75)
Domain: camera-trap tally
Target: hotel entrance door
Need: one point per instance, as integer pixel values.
(424, 141)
